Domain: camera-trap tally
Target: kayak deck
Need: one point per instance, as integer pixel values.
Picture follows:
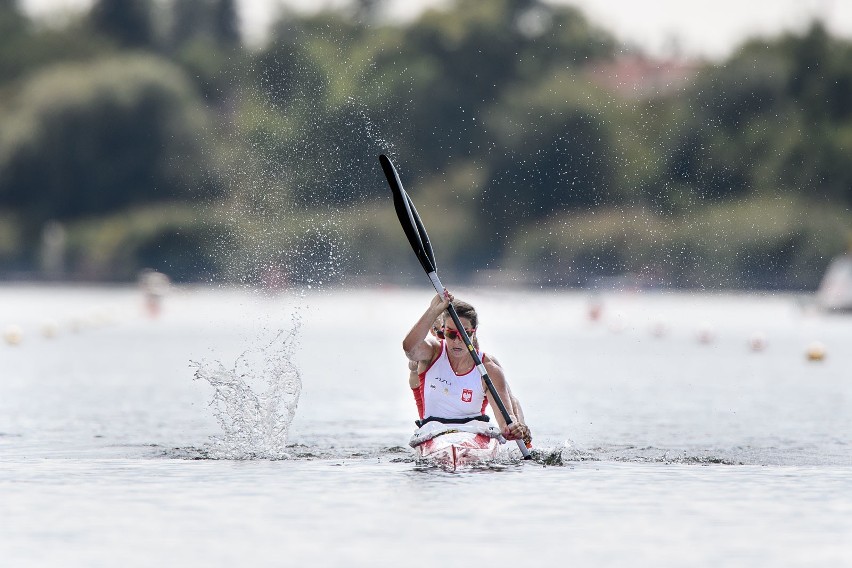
(455, 449)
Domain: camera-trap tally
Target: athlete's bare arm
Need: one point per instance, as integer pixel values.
(419, 344)
(516, 404)
(413, 374)
(518, 429)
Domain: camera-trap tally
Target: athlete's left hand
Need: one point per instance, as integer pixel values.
(516, 431)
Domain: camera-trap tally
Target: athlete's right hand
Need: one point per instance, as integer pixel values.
(441, 303)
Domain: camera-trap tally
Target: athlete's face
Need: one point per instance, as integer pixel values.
(451, 334)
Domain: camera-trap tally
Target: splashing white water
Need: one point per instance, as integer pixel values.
(254, 426)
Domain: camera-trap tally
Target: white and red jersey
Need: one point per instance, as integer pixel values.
(444, 394)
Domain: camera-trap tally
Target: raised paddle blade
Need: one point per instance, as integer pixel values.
(408, 218)
(424, 238)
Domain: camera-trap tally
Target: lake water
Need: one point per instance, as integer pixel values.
(663, 438)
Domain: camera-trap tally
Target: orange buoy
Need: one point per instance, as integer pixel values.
(815, 351)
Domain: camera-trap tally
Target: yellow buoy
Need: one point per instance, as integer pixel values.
(13, 334)
(815, 351)
(49, 329)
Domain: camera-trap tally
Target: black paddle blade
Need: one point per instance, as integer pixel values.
(408, 218)
(424, 238)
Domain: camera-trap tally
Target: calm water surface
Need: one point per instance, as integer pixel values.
(662, 437)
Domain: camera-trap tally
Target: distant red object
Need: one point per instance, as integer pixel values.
(635, 76)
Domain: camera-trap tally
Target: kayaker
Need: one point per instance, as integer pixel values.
(448, 386)
(415, 368)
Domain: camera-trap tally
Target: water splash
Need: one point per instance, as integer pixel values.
(254, 426)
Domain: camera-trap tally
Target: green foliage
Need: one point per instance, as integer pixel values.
(216, 74)
(93, 138)
(518, 157)
(10, 238)
(11, 17)
(307, 126)
(763, 243)
(128, 22)
(560, 143)
(215, 21)
(25, 47)
(462, 62)
(188, 21)
(12, 21)
(226, 23)
(13, 34)
(774, 117)
(175, 238)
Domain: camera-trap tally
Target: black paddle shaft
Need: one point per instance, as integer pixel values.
(478, 362)
(415, 231)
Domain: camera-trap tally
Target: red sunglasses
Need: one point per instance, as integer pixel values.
(444, 333)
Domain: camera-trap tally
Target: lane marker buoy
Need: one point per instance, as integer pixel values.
(13, 334)
(49, 329)
(705, 334)
(815, 351)
(757, 341)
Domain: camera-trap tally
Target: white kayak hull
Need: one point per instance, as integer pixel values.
(453, 450)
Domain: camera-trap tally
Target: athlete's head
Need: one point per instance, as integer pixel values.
(468, 318)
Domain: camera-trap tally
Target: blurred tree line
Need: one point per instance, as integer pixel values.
(147, 134)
